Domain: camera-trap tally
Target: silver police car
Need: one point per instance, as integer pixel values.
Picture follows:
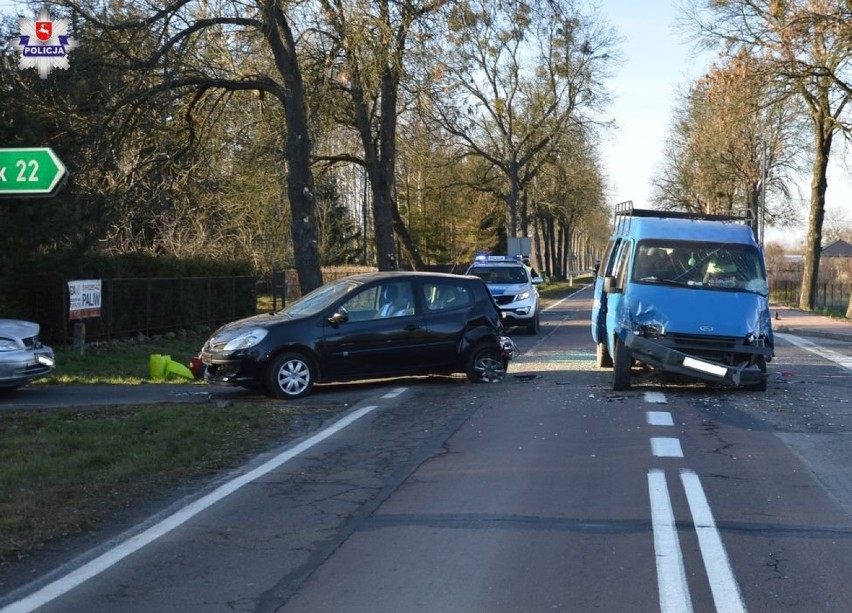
(512, 287)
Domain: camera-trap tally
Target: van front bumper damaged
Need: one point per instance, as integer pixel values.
(745, 372)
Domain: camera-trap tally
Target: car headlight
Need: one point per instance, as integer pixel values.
(524, 295)
(246, 339)
(7, 344)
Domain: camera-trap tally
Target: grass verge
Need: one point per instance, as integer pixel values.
(67, 472)
(122, 361)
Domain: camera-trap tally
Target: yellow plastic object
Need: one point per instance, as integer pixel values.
(157, 365)
(177, 369)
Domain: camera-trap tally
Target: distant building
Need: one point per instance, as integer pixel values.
(837, 249)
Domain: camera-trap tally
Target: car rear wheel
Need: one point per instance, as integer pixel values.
(290, 375)
(486, 365)
(602, 357)
(622, 363)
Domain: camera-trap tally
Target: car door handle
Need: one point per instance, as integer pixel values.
(411, 327)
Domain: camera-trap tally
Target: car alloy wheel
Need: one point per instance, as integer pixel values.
(486, 365)
(290, 375)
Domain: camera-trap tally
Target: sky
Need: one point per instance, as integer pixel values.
(658, 62)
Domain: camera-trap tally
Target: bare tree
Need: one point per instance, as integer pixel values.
(515, 77)
(369, 45)
(805, 48)
(187, 49)
(728, 147)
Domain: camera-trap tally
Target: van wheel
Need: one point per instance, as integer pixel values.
(761, 385)
(603, 359)
(290, 376)
(486, 365)
(622, 362)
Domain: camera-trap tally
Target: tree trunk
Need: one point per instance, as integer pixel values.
(512, 199)
(813, 242)
(300, 177)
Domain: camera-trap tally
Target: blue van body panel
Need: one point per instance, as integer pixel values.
(693, 311)
(701, 311)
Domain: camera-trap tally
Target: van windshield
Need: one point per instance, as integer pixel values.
(726, 266)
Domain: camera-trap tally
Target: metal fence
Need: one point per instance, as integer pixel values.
(147, 306)
(829, 296)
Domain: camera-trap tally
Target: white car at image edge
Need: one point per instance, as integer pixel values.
(23, 357)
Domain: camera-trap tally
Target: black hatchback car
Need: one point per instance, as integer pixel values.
(365, 326)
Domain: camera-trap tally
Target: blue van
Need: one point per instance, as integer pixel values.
(685, 295)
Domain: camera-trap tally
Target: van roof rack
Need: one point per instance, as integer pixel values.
(627, 208)
(624, 211)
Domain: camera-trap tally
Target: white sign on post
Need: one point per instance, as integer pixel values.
(84, 299)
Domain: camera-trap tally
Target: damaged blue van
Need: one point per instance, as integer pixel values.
(682, 295)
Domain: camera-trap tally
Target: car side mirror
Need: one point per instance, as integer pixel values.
(610, 286)
(340, 317)
(537, 280)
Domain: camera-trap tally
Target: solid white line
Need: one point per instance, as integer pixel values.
(723, 584)
(671, 575)
(823, 352)
(121, 551)
(395, 392)
(659, 418)
(666, 447)
(656, 398)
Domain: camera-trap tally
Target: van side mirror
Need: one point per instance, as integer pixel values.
(610, 286)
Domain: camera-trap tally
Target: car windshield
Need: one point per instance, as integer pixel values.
(700, 265)
(320, 298)
(499, 274)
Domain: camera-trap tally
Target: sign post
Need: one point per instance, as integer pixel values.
(30, 171)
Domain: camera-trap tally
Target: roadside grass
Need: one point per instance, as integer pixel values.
(558, 289)
(68, 472)
(122, 361)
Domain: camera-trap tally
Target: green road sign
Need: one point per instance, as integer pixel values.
(30, 172)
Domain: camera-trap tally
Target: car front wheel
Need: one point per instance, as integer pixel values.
(486, 365)
(535, 325)
(290, 376)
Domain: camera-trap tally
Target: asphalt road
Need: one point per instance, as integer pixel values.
(548, 492)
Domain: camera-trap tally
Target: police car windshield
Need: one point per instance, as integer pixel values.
(728, 266)
(500, 274)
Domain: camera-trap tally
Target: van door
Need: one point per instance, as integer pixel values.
(599, 304)
(615, 299)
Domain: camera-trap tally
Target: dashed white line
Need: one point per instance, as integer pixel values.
(723, 584)
(656, 398)
(113, 556)
(659, 418)
(395, 392)
(671, 574)
(666, 447)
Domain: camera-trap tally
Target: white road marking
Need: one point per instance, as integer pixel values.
(659, 418)
(395, 392)
(656, 398)
(671, 575)
(666, 447)
(823, 352)
(723, 584)
(105, 561)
